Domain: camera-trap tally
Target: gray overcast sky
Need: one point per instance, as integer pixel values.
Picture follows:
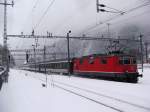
(64, 15)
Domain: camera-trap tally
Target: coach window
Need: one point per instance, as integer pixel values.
(54, 65)
(62, 65)
(57, 65)
(49, 65)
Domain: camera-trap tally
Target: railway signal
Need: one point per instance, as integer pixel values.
(101, 6)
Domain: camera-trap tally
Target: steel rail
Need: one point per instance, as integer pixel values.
(100, 94)
(95, 93)
(103, 95)
(88, 98)
(77, 94)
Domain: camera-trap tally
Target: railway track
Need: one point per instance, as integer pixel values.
(103, 95)
(98, 98)
(88, 98)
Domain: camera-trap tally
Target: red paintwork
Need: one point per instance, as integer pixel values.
(112, 66)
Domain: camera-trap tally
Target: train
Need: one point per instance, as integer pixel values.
(109, 66)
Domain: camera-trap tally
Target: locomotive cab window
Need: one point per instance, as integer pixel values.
(134, 60)
(127, 61)
(124, 60)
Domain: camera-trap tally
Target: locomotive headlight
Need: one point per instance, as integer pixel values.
(126, 71)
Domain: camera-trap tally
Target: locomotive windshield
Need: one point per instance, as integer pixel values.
(127, 60)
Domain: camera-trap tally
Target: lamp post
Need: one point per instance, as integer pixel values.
(108, 25)
(68, 48)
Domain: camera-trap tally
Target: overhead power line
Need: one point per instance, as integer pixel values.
(31, 13)
(131, 17)
(119, 15)
(73, 37)
(42, 17)
(126, 19)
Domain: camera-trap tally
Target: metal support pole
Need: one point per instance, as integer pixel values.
(44, 57)
(34, 56)
(5, 35)
(141, 44)
(97, 5)
(146, 52)
(6, 62)
(68, 48)
(108, 25)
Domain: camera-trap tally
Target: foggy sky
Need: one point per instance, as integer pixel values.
(65, 15)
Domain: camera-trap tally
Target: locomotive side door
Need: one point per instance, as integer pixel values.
(75, 65)
(71, 67)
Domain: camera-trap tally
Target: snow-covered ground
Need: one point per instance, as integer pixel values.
(24, 93)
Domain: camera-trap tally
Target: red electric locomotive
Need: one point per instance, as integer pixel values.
(116, 66)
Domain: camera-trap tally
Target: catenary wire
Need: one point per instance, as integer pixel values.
(125, 20)
(42, 17)
(119, 15)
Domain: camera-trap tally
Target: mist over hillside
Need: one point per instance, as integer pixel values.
(79, 16)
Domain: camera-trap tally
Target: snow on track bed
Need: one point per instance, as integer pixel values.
(107, 102)
(25, 94)
(102, 99)
(83, 96)
(79, 94)
(103, 95)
